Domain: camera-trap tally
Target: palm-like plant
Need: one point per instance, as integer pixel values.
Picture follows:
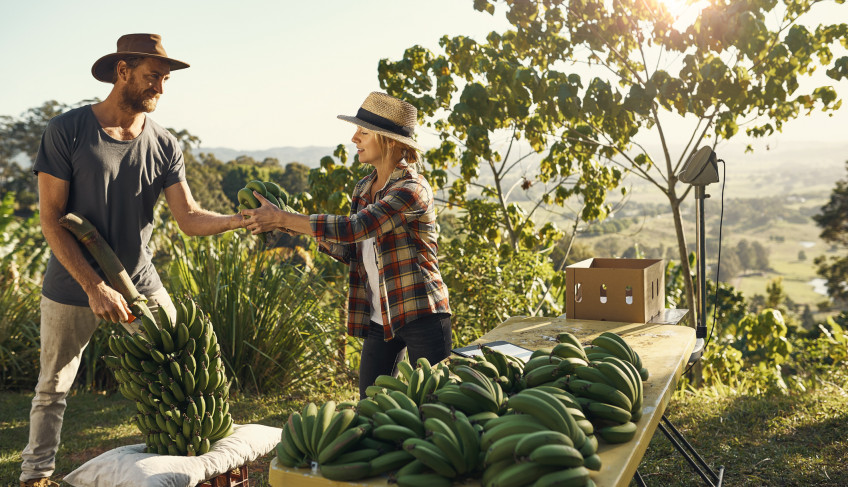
(270, 316)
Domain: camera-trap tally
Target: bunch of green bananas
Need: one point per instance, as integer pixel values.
(610, 344)
(450, 451)
(513, 424)
(418, 383)
(475, 394)
(272, 192)
(610, 390)
(504, 369)
(539, 442)
(549, 366)
(343, 442)
(176, 378)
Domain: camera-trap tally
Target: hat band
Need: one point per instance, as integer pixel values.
(384, 123)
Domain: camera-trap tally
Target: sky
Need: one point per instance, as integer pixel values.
(263, 73)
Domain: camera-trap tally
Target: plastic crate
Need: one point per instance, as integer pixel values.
(233, 478)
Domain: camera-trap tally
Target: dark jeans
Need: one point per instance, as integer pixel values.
(428, 337)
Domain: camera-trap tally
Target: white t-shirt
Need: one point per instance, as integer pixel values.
(372, 287)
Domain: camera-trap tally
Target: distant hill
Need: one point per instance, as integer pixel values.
(309, 156)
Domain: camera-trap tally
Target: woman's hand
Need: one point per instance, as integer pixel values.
(265, 218)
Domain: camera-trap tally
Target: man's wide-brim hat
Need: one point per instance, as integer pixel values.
(129, 45)
(387, 116)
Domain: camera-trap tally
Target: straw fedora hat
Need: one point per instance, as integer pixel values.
(387, 116)
(147, 45)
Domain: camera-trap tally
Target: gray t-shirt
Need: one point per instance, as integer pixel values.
(115, 185)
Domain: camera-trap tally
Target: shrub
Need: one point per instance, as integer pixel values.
(19, 331)
(269, 315)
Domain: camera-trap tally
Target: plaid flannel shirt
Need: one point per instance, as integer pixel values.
(403, 221)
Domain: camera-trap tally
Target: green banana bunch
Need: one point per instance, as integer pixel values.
(475, 393)
(451, 449)
(175, 376)
(506, 370)
(611, 344)
(610, 392)
(273, 193)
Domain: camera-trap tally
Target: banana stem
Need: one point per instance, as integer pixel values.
(117, 276)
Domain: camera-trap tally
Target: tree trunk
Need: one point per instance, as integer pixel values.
(684, 255)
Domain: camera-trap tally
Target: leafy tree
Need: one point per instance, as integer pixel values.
(761, 256)
(203, 174)
(833, 220)
(295, 177)
(21, 136)
(730, 266)
(745, 254)
(237, 173)
(737, 63)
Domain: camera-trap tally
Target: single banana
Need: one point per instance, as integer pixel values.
(408, 419)
(531, 441)
(340, 423)
(423, 480)
(393, 432)
(322, 421)
(542, 410)
(404, 401)
(557, 456)
(520, 474)
(613, 346)
(346, 472)
(405, 369)
(343, 443)
(571, 477)
(621, 433)
(390, 383)
(502, 449)
(390, 461)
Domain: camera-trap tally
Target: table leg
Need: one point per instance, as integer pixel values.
(695, 460)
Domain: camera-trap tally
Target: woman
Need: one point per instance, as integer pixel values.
(397, 301)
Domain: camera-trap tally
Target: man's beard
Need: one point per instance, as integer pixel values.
(139, 101)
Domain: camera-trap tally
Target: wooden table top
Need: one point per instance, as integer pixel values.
(664, 349)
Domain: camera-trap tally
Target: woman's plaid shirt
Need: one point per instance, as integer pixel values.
(403, 222)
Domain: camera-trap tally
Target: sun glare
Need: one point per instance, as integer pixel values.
(685, 11)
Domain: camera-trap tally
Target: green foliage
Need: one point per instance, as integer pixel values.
(270, 318)
(833, 221)
(333, 181)
(19, 330)
(20, 137)
(21, 242)
(578, 81)
(486, 287)
(757, 344)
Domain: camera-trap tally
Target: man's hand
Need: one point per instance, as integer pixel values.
(108, 304)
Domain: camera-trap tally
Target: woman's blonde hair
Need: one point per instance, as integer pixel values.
(407, 153)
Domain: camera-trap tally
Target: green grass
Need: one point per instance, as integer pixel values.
(797, 440)
(95, 423)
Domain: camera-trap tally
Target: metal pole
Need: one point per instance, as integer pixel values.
(701, 328)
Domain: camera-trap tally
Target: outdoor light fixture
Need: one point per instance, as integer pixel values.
(700, 170)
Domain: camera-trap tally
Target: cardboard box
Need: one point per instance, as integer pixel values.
(625, 290)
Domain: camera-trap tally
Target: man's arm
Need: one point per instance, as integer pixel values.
(194, 220)
(105, 302)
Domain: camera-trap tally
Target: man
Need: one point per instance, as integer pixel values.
(109, 162)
